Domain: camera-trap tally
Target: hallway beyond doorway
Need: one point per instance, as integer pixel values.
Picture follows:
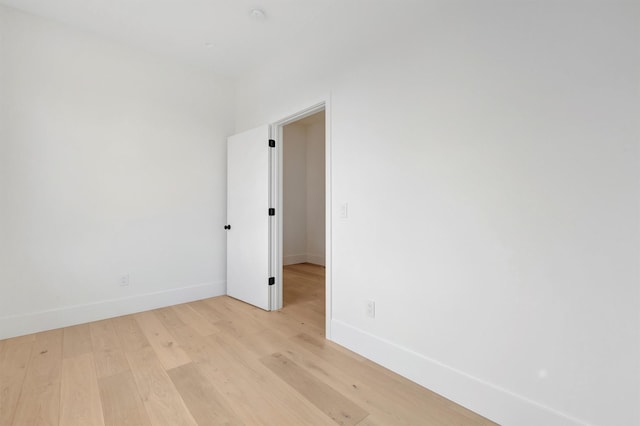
(304, 293)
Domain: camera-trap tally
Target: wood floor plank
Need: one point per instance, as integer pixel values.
(45, 363)
(275, 319)
(39, 402)
(109, 357)
(305, 312)
(271, 341)
(131, 336)
(257, 396)
(226, 307)
(13, 368)
(206, 403)
(342, 410)
(192, 343)
(370, 420)
(304, 283)
(205, 309)
(169, 317)
(77, 341)
(162, 400)
(165, 345)
(15, 341)
(250, 406)
(266, 383)
(400, 395)
(231, 322)
(39, 406)
(386, 405)
(197, 321)
(216, 361)
(80, 397)
(238, 328)
(121, 401)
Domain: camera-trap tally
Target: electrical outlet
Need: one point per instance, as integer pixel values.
(124, 280)
(371, 309)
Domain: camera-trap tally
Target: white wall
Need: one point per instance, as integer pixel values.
(294, 201)
(304, 191)
(490, 163)
(315, 135)
(111, 161)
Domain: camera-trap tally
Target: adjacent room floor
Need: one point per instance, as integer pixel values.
(211, 362)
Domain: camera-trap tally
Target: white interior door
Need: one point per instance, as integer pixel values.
(248, 220)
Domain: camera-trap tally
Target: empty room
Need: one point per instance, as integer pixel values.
(285, 212)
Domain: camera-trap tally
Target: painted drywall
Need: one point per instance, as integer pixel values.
(304, 191)
(490, 160)
(294, 201)
(315, 133)
(112, 161)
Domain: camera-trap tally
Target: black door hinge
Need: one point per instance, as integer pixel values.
(272, 143)
(272, 212)
(272, 280)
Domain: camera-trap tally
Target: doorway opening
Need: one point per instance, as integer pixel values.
(303, 217)
(303, 230)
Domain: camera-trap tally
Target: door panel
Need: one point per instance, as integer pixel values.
(248, 183)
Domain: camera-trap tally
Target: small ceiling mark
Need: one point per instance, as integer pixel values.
(258, 15)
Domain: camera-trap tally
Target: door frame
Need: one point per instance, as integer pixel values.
(276, 133)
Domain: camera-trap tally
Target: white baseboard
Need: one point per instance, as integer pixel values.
(486, 399)
(19, 325)
(303, 258)
(316, 259)
(292, 259)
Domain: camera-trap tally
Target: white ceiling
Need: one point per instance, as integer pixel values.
(238, 43)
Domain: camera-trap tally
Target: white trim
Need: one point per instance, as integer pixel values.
(489, 400)
(316, 259)
(19, 325)
(275, 222)
(276, 251)
(276, 133)
(293, 259)
(328, 250)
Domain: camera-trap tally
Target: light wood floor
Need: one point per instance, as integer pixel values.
(211, 362)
